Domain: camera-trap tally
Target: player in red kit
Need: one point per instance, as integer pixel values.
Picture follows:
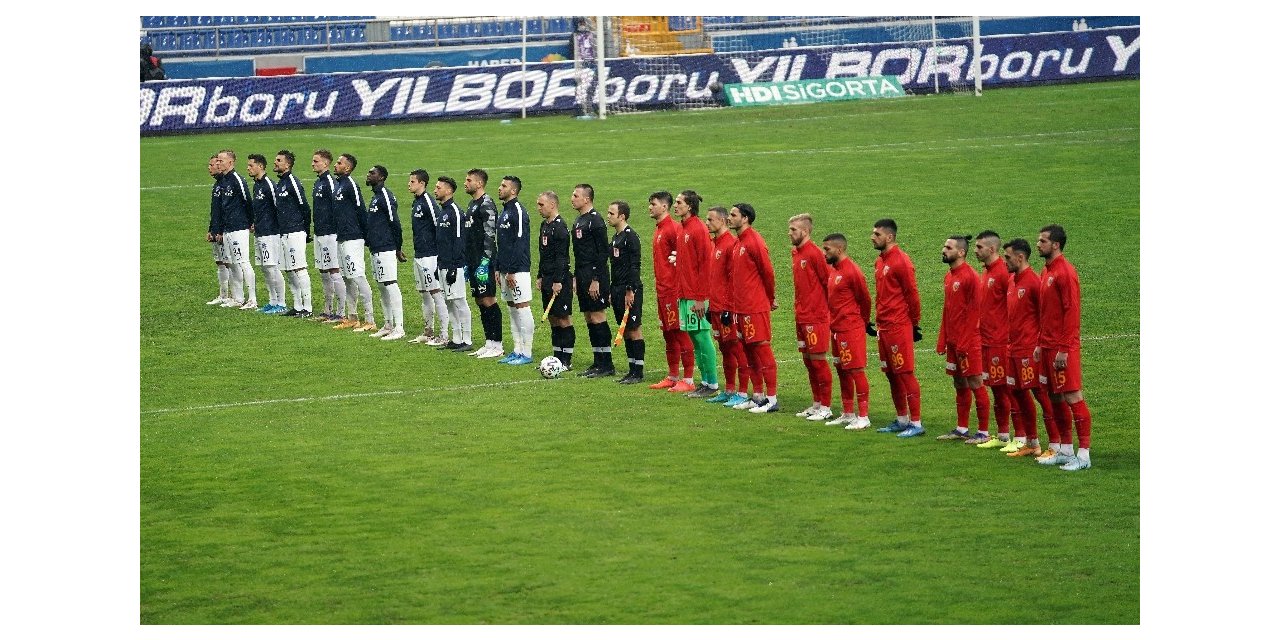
(813, 318)
(1059, 349)
(850, 305)
(693, 262)
(1023, 304)
(993, 325)
(720, 308)
(960, 341)
(666, 282)
(753, 301)
(898, 322)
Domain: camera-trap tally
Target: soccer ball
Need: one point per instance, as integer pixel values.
(551, 367)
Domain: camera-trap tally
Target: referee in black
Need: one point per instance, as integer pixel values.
(627, 292)
(591, 277)
(554, 279)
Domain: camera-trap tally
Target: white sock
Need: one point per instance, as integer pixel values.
(352, 289)
(235, 284)
(366, 296)
(327, 283)
(514, 322)
(275, 285)
(1083, 454)
(1067, 449)
(304, 287)
(395, 303)
(250, 283)
(772, 399)
(903, 420)
(526, 324)
(339, 293)
(428, 311)
(224, 281)
(1034, 442)
(442, 311)
(384, 293)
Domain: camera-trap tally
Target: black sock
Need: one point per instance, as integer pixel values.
(599, 335)
(491, 319)
(635, 357)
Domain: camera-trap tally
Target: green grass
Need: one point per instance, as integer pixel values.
(294, 474)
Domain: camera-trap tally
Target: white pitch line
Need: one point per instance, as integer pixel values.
(374, 394)
(917, 146)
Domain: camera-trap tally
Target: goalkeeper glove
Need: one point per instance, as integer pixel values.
(916, 336)
(451, 276)
(482, 272)
(871, 329)
(726, 318)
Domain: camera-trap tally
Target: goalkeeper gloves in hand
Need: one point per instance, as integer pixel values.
(916, 336)
(482, 272)
(871, 329)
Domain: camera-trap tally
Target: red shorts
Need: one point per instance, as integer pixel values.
(850, 349)
(998, 367)
(1064, 381)
(722, 332)
(813, 338)
(668, 314)
(754, 327)
(965, 361)
(1023, 371)
(897, 350)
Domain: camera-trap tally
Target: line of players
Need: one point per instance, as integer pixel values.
(712, 280)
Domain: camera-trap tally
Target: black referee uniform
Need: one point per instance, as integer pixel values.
(591, 264)
(624, 264)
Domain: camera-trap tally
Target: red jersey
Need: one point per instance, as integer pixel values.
(960, 308)
(897, 300)
(1023, 305)
(666, 280)
(721, 279)
(693, 260)
(994, 321)
(848, 297)
(752, 274)
(809, 272)
(1059, 306)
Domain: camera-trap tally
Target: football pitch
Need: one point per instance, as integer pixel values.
(294, 474)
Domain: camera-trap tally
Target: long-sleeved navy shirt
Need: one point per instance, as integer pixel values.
(291, 205)
(425, 213)
(513, 239)
(348, 210)
(266, 220)
(382, 228)
(322, 204)
(450, 238)
(234, 202)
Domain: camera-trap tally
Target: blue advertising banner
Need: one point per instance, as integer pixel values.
(195, 105)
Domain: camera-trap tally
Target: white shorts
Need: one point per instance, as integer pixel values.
(327, 252)
(219, 253)
(351, 252)
(424, 274)
(520, 293)
(236, 245)
(268, 254)
(293, 251)
(385, 267)
(459, 287)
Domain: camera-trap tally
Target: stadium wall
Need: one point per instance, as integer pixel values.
(202, 105)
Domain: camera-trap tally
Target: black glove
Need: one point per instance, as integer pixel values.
(916, 336)
(726, 318)
(871, 329)
(451, 276)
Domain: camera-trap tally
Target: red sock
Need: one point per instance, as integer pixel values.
(864, 390)
(896, 392)
(812, 372)
(1046, 412)
(768, 367)
(686, 353)
(984, 408)
(740, 361)
(730, 360)
(753, 362)
(673, 352)
(824, 381)
(1084, 423)
(1026, 414)
(1000, 393)
(1062, 419)
(964, 400)
(847, 386)
(911, 389)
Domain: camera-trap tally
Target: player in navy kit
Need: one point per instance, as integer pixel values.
(384, 237)
(326, 236)
(350, 215)
(266, 231)
(234, 213)
(511, 267)
(295, 220)
(451, 243)
(425, 258)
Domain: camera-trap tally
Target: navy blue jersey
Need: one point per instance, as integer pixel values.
(265, 218)
(291, 205)
(451, 242)
(322, 201)
(591, 249)
(513, 239)
(382, 231)
(482, 231)
(425, 213)
(624, 260)
(215, 207)
(348, 210)
(553, 252)
(234, 202)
